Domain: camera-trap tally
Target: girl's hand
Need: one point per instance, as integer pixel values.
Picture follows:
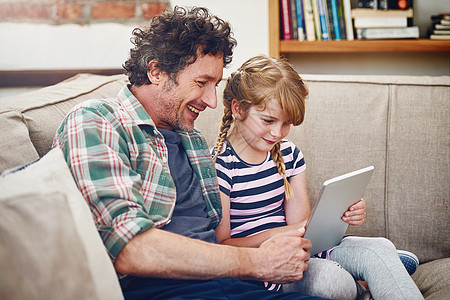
(356, 214)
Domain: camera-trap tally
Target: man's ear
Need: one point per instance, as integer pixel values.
(154, 71)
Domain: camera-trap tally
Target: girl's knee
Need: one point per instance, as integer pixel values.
(376, 244)
(326, 278)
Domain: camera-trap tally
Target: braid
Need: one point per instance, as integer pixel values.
(227, 120)
(278, 159)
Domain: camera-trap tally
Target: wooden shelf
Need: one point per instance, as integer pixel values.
(277, 46)
(365, 46)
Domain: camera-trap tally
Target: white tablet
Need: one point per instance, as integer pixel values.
(325, 227)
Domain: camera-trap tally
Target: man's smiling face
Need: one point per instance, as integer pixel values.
(179, 104)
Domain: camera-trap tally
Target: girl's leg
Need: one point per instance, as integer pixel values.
(325, 278)
(375, 260)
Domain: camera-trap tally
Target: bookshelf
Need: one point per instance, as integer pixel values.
(278, 47)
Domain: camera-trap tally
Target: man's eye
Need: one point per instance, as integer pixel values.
(202, 83)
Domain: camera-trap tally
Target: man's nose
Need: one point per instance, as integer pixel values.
(210, 96)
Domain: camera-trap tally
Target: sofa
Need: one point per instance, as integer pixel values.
(49, 246)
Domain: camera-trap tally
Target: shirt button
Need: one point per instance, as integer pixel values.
(164, 159)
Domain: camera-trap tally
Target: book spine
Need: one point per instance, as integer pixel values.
(300, 20)
(388, 33)
(364, 12)
(323, 20)
(309, 20)
(341, 19)
(334, 11)
(315, 9)
(348, 20)
(382, 22)
(330, 21)
(286, 21)
(293, 18)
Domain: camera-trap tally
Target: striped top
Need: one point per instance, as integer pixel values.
(256, 191)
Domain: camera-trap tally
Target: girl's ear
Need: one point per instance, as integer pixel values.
(236, 109)
(153, 71)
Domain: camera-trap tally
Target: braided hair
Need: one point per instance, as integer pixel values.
(257, 81)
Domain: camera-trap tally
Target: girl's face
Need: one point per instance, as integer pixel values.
(262, 128)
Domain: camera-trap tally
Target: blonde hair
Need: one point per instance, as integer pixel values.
(257, 81)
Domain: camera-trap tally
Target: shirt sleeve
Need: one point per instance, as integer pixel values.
(98, 158)
(295, 162)
(224, 176)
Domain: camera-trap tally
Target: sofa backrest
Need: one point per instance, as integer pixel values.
(399, 124)
(29, 121)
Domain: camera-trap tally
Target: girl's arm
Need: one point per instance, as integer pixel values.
(223, 232)
(297, 209)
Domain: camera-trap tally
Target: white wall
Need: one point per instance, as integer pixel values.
(43, 46)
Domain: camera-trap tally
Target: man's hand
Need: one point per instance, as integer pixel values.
(356, 214)
(285, 257)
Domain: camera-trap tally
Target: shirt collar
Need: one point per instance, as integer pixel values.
(135, 109)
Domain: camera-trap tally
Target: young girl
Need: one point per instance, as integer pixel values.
(263, 187)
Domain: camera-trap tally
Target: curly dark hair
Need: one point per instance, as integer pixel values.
(173, 38)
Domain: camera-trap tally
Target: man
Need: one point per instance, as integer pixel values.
(149, 179)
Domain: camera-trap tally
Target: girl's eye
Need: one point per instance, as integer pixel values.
(267, 121)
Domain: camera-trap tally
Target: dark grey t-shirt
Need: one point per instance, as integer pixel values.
(190, 217)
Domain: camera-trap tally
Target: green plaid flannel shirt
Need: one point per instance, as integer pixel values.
(119, 161)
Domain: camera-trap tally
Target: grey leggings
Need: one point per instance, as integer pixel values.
(374, 260)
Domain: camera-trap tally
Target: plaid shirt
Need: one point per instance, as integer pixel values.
(119, 161)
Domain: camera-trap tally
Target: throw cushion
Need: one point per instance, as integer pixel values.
(41, 255)
(49, 183)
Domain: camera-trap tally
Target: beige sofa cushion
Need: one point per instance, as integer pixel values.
(433, 279)
(29, 121)
(46, 224)
(418, 168)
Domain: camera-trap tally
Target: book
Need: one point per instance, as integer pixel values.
(366, 12)
(411, 32)
(309, 20)
(285, 20)
(380, 22)
(442, 26)
(300, 20)
(441, 31)
(385, 4)
(323, 20)
(348, 19)
(340, 5)
(330, 20)
(439, 37)
(293, 16)
(315, 9)
(334, 11)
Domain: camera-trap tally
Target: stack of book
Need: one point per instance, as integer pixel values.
(440, 29)
(373, 23)
(316, 20)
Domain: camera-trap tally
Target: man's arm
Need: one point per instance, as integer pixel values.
(159, 253)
